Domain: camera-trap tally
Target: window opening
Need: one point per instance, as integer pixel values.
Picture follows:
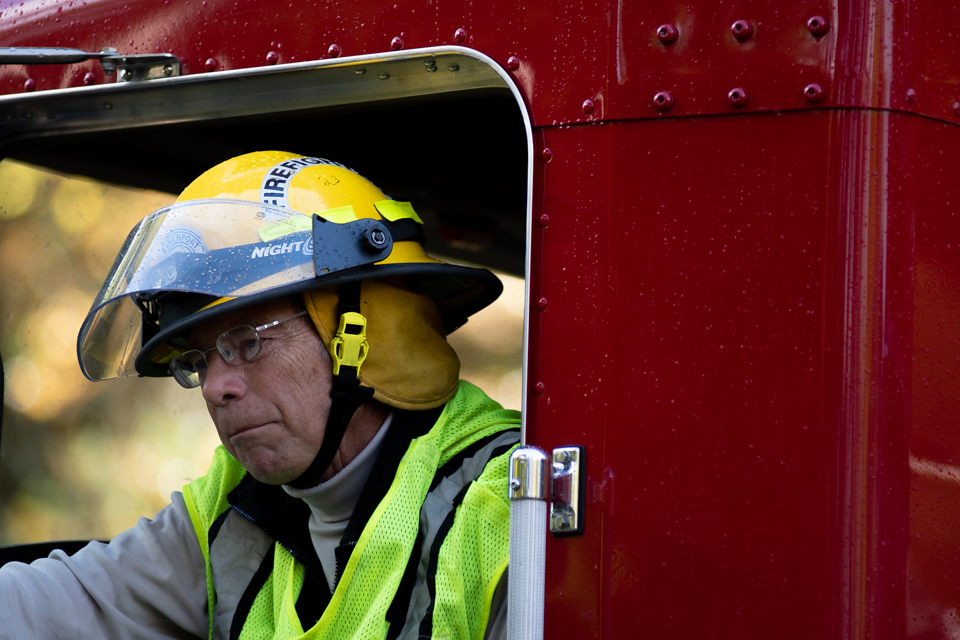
(72, 198)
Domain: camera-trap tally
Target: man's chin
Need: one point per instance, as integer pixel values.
(268, 471)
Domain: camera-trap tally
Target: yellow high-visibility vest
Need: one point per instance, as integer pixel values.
(461, 515)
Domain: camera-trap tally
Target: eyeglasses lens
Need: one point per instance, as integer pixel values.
(189, 369)
(239, 345)
(236, 346)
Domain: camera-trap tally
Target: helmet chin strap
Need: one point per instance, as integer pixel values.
(348, 350)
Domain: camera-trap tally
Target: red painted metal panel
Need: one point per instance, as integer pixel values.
(867, 352)
(737, 311)
(933, 553)
(891, 55)
(706, 428)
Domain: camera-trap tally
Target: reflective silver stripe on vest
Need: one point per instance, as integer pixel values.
(434, 511)
(235, 556)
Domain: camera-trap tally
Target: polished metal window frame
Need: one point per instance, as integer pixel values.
(340, 82)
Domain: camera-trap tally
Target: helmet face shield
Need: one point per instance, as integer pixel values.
(220, 248)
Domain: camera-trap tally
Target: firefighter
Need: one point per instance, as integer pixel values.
(360, 490)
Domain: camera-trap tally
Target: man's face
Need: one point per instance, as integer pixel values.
(271, 413)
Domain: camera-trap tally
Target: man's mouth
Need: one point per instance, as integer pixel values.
(245, 428)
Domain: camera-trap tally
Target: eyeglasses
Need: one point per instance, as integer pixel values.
(237, 346)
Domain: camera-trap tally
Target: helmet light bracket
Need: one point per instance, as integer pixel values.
(338, 246)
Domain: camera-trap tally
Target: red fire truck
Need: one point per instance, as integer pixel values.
(739, 232)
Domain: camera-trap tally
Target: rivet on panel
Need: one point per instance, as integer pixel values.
(546, 154)
(168, 71)
(454, 67)
(818, 26)
(384, 76)
(460, 36)
(742, 30)
(956, 108)
(210, 64)
(813, 93)
(542, 304)
(539, 388)
(587, 106)
(273, 57)
(738, 97)
(663, 101)
(360, 72)
(107, 106)
(667, 34)
(397, 43)
(911, 95)
(333, 51)
(513, 63)
(430, 65)
(126, 75)
(544, 220)
(89, 78)
(30, 85)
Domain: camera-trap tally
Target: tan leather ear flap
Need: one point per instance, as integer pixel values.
(410, 364)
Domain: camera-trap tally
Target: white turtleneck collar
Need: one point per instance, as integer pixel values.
(332, 502)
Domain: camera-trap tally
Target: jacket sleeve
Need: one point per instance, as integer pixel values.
(149, 582)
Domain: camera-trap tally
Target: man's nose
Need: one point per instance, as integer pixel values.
(223, 381)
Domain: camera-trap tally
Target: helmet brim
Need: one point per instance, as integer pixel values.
(458, 291)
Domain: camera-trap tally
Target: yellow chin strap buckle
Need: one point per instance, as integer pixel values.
(349, 346)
